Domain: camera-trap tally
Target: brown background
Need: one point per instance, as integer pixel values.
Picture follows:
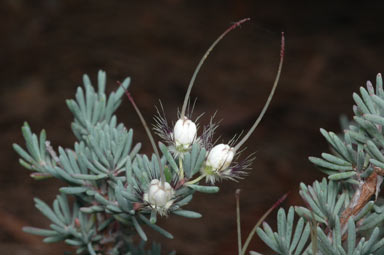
(46, 46)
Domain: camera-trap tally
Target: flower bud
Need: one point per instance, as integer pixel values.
(184, 132)
(220, 157)
(159, 195)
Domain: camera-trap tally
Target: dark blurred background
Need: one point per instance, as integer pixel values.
(332, 48)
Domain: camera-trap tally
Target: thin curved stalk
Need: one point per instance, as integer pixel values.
(149, 134)
(249, 133)
(265, 215)
(237, 195)
(196, 180)
(235, 25)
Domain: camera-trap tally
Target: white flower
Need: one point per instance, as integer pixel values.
(184, 132)
(159, 196)
(220, 157)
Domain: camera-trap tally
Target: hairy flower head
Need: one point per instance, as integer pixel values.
(220, 157)
(184, 133)
(159, 196)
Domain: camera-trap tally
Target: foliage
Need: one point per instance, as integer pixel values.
(344, 213)
(115, 189)
(107, 176)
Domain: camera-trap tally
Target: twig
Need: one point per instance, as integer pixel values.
(265, 215)
(362, 196)
(238, 223)
(147, 130)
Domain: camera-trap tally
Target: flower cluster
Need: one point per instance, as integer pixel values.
(221, 161)
(116, 188)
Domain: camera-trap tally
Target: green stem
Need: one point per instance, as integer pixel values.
(181, 172)
(196, 180)
(202, 60)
